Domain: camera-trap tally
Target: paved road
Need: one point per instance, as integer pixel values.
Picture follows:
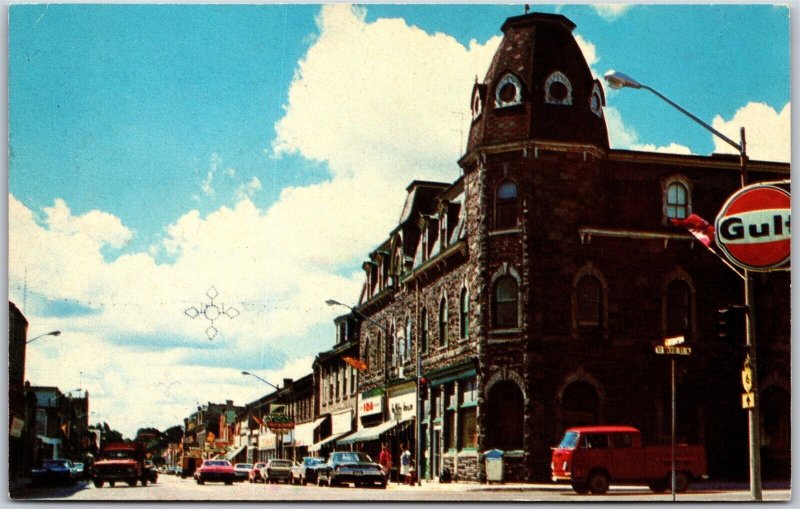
(170, 488)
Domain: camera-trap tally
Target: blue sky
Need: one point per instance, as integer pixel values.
(156, 151)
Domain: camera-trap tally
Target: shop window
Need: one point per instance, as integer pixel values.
(676, 200)
(505, 206)
(464, 314)
(505, 312)
(469, 393)
(443, 322)
(468, 434)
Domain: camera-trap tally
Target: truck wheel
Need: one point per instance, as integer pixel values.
(132, 482)
(98, 484)
(658, 485)
(681, 482)
(581, 488)
(144, 481)
(598, 483)
(199, 481)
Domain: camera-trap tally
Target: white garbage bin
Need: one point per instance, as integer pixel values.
(494, 465)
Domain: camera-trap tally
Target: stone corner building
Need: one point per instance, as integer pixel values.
(534, 287)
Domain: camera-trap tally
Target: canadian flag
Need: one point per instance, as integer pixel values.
(697, 226)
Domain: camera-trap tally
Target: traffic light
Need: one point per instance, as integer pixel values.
(731, 324)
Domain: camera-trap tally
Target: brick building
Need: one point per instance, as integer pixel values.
(534, 287)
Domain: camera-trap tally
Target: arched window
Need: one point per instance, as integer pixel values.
(590, 302)
(407, 347)
(443, 332)
(679, 298)
(558, 89)
(505, 206)
(676, 201)
(366, 354)
(508, 92)
(423, 333)
(379, 353)
(463, 308)
(505, 310)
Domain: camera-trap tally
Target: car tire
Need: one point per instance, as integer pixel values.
(303, 481)
(228, 483)
(658, 485)
(598, 483)
(581, 488)
(681, 482)
(111, 483)
(200, 480)
(98, 484)
(383, 485)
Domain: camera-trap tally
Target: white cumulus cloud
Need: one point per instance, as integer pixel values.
(767, 132)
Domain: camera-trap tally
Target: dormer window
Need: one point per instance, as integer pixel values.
(508, 92)
(558, 89)
(477, 103)
(443, 232)
(596, 101)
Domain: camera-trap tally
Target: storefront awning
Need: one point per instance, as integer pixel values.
(304, 433)
(372, 433)
(234, 453)
(319, 445)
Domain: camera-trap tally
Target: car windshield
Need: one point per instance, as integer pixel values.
(55, 463)
(119, 454)
(281, 463)
(351, 457)
(217, 463)
(244, 466)
(569, 441)
(313, 461)
(259, 465)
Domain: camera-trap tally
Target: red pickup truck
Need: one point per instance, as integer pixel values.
(592, 457)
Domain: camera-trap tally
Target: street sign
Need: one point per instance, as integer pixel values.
(753, 228)
(677, 340)
(673, 350)
(748, 400)
(747, 379)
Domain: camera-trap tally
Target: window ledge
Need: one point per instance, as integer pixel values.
(469, 404)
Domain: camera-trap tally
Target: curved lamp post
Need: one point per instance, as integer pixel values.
(256, 376)
(619, 80)
(52, 333)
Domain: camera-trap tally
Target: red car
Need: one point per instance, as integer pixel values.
(215, 471)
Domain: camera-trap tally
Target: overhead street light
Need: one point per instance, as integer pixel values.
(268, 383)
(619, 80)
(52, 333)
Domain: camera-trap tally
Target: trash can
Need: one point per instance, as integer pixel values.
(494, 465)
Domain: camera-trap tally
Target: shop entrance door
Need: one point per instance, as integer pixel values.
(435, 463)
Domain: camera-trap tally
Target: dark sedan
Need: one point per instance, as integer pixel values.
(351, 467)
(215, 470)
(53, 472)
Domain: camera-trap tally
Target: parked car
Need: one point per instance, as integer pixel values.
(242, 471)
(215, 471)
(591, 457)
(56, 471)
(276, 471)
(78, 470)
(254, 475)
(351, 467)
(306, 471)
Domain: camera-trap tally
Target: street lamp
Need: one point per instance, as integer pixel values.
(268, 383)
(619, 80)
(52, 333)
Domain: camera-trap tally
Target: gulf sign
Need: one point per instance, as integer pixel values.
(753, 228)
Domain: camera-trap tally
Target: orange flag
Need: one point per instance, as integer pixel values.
(356, 363)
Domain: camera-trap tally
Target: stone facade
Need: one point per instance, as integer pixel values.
(563, 250)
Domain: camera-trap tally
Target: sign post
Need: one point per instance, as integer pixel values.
(671, 347)
(754, 232)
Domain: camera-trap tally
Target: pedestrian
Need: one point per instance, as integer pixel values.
(405, 465)
(385, 460)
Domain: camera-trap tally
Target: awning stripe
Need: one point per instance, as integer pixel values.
(371, 433)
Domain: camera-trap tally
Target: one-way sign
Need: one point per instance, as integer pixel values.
(673, 350)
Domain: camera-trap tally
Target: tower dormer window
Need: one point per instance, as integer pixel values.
(477, 103)
(558, 89)
(596, 101)
(508, 92)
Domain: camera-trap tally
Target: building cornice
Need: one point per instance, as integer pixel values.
(530, 146)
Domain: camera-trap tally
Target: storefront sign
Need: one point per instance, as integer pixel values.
(370, 406)
(404, 406)
(342, 422)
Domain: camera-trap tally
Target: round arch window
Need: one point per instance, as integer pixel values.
(508, 91)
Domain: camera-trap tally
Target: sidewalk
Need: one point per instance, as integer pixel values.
(476, 486)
